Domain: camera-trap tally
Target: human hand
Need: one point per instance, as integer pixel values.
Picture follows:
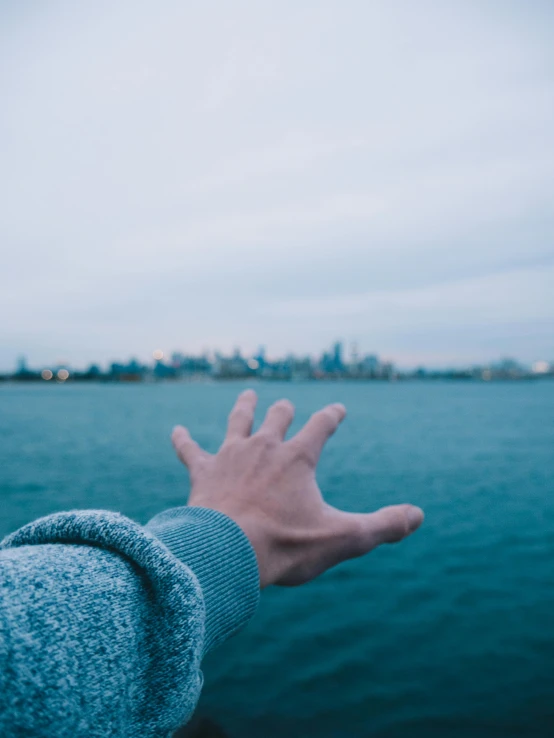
(268, 487)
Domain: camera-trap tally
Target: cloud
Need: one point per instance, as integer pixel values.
(281, 173)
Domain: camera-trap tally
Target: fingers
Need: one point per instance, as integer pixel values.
(319, 428)
(241, 417)
(387, 525)
(278, 419)
(187, 450)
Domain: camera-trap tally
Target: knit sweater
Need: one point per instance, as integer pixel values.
(104, 623)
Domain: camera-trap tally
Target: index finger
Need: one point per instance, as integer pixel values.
(319, 428)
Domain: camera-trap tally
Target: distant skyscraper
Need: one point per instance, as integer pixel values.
(371, 364)
(260, 357)
(337, 356)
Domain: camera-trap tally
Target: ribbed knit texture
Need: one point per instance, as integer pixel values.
(103, 623)
(228, 576)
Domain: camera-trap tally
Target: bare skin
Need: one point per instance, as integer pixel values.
(268, 486)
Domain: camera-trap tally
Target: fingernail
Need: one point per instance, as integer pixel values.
(340, 407)
(415, 517)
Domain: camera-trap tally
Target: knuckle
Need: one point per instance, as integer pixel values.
(283, 409)
(182, 450)
(329, 415)
(239, 414)
(316, 417)
(355, 538)
(285, 406)
(396, 525)
(303, 453)
(328, 420)
(182, 446)
(263, 440)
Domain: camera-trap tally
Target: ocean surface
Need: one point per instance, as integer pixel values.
(450, 633)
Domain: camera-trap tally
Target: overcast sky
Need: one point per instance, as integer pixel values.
(189, 175)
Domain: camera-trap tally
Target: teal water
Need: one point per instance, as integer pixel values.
(448, 634)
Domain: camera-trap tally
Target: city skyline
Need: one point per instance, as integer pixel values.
(332, 361)
(404, 360)
(349, 349)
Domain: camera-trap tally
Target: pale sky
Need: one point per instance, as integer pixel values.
(190, 175)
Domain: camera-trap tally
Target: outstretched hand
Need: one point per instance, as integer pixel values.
(268, 487)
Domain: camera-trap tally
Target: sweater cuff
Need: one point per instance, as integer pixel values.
(221, 557)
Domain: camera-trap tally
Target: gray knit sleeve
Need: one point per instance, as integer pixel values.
(103, 623)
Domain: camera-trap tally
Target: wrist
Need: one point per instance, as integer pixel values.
(257, 535)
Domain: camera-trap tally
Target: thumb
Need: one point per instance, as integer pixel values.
(387, 525)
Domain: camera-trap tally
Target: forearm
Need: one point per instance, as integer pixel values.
(103, 627)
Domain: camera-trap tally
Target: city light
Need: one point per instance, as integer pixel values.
(158, 354)
(253, 363)
(46, 374)
(540, 367)
(62, 375)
